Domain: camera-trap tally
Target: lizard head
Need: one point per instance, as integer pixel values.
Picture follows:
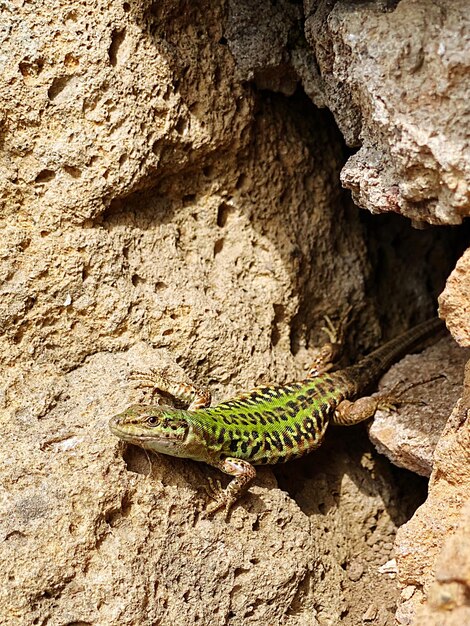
(152, 427)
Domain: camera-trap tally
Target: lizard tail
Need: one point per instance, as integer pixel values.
(368, 370)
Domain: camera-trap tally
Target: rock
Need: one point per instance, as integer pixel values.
(433, 548)
(454, 304)
(395, 79)
(409, 434)
(158, 210)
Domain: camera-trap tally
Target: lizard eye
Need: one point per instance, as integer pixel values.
(152, 420)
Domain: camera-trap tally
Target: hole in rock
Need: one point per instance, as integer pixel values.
(117, 39)
(44, 176)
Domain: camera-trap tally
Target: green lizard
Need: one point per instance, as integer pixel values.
(270, 424)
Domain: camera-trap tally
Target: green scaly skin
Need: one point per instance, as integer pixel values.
(270, 424)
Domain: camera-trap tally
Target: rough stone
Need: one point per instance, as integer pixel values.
(433, 548)
(117, 536)
(409, 434)
(259, 35)
(158, 210)
(454, 302)
(150, 217)
(394, 76)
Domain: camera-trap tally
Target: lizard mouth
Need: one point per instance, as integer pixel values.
(138, 440)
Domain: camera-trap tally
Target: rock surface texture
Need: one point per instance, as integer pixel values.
(408, 437)
(170, 197)
(454, 302)
(395, 77)
(433, 548)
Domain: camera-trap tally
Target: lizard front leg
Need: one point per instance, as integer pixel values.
(331, 352)
(243, 475)
(180, 394)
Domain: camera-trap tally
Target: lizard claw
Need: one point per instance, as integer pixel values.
(220, 498)
(330, 353)
(336, 332)
(214, 488)
(150, 376)
(393, 398)
(330, 329)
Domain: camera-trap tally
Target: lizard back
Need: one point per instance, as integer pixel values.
(270, 424)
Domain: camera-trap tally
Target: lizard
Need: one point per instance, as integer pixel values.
(267, 425)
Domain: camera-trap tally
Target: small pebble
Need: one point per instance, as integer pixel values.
(355, 571)
(370, 614)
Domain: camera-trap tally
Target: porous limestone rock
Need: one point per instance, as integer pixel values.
(395, 77)
(433, 548)
(425, 386)
(454, 301)
(157, 210)
(150, 215)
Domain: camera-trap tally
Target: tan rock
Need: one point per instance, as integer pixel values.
(454, 302)
(142, 224)
(394, 80)
(409, 434)
(433, 548)
(157, 210)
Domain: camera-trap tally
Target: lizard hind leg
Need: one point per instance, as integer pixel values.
(348, 413)
(243, 475)
(180, 394)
